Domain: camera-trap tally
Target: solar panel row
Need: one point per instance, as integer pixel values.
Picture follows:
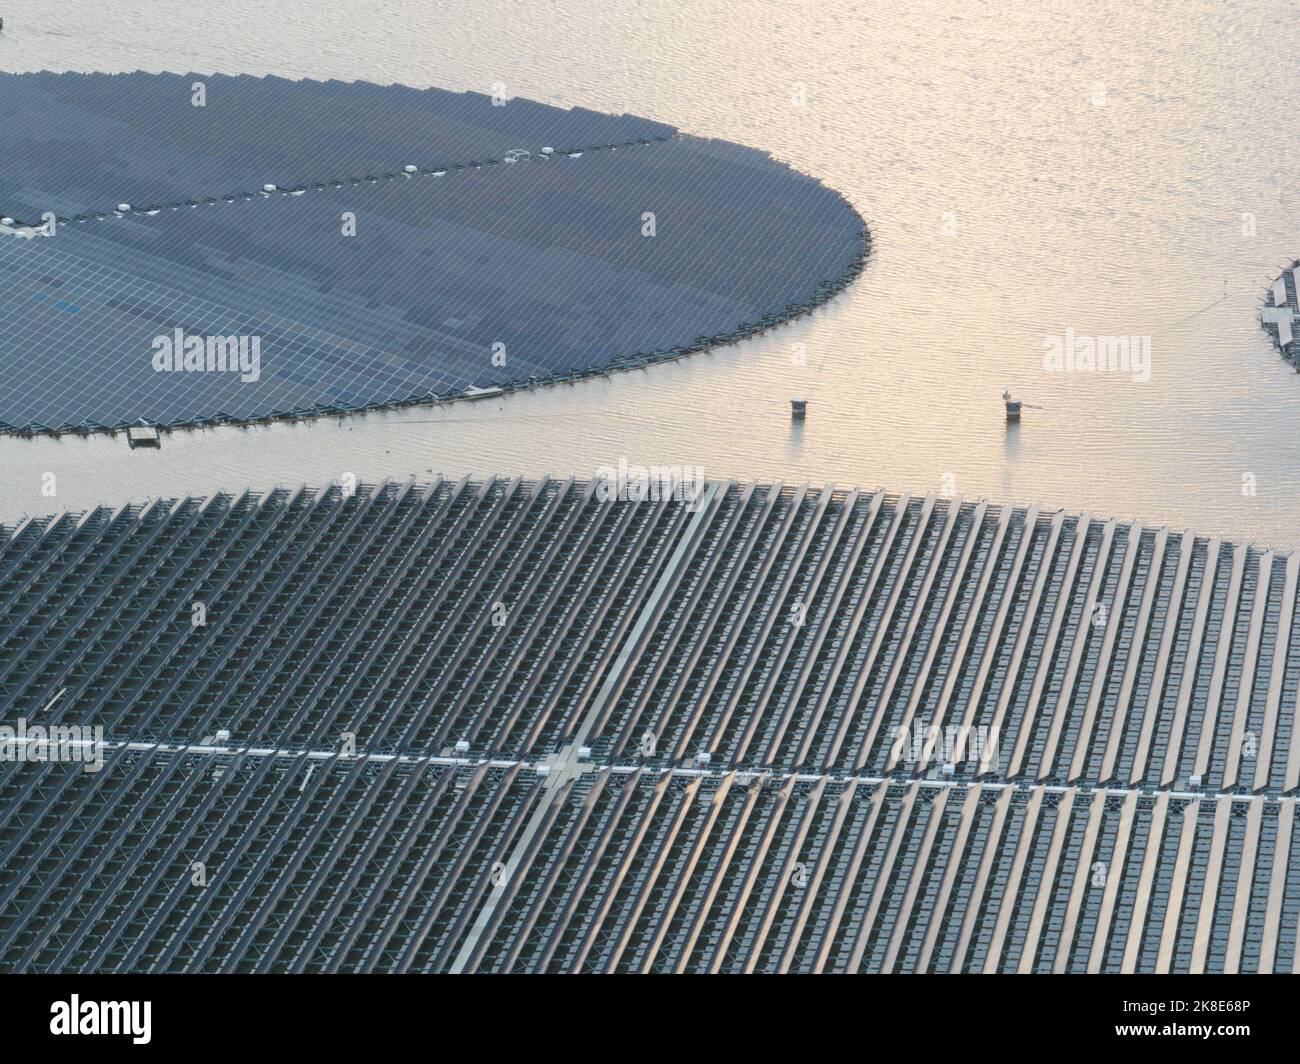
(270, 867)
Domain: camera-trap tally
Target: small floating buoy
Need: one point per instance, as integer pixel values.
(268, 188)
(124, 208)
(548, 151)
(798, 409)
(409, 168)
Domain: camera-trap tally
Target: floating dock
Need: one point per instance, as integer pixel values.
(382, 245)
(516, 726)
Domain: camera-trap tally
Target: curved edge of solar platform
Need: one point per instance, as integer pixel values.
(408, 133)
(823, 291)
(1279, 315)
(633, 130)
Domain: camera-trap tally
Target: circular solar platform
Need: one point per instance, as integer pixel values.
(196, 249)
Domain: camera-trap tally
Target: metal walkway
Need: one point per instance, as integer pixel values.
(511, 726)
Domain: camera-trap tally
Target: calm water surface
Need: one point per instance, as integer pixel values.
(1026, 169)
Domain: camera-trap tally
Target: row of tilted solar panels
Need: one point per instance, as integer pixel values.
(370, 608)
(804, 629)
(185, 863)
(895, 619)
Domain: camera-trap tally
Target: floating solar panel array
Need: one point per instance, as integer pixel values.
(517, 726)
(295, 248)
(1279, 313)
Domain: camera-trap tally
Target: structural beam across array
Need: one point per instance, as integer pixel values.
(536, 725)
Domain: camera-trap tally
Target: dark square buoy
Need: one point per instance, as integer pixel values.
(798, 409)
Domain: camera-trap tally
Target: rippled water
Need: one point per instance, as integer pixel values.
(1026, 169)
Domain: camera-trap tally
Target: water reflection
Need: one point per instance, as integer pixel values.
(1007, 205)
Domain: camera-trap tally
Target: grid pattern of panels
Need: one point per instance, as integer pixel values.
(656, 736)
(391, 287)
(182, 862)
(84, 143)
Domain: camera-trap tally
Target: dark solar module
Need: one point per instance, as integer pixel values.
(544, 255)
